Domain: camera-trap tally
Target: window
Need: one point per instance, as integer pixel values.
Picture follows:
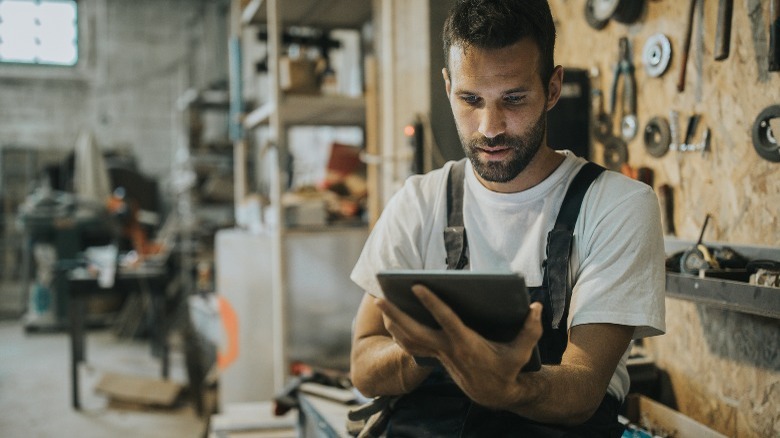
(39, 32)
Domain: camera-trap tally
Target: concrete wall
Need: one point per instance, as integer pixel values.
(137, 57)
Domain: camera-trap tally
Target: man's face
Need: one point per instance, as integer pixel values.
(500, 107)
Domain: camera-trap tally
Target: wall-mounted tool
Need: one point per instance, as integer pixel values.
(656, 55)
(766, 134)
(622, 11)
(774, 35)
(688, 145)
(602, 123)
(666, 199)
(658, 137)
(674, 129)
(593, 22)
(625, 69)
(686, 47)
(723, 31)
(615, 153)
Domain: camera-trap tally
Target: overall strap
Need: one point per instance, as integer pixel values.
(559, 242)
(455, 233)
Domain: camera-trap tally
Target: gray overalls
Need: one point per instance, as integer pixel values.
(438, 408)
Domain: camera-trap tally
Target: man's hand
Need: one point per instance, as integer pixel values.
(486, 371)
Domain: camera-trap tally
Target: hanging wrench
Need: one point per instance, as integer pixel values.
(628, 123)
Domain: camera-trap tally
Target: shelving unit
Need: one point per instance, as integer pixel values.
(208, 205)
(312, 110)
(285, 248)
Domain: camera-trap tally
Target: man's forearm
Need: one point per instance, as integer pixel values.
(561, 394)
(381, 367)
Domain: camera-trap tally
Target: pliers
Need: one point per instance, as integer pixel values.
(628, 123)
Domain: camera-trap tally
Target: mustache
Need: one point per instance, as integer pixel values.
(499, 140)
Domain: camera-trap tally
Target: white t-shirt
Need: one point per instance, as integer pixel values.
(617, 260)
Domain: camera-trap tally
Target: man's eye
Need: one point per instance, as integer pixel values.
(513, 99)
(470, 99)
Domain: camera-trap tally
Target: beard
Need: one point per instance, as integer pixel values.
(522, 147)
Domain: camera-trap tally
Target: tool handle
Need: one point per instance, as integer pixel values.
(723, 31)
(686, 47)
(774, 35)
(666, 198)
(703, 227)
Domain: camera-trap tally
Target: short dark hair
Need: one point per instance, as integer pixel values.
(493, 24)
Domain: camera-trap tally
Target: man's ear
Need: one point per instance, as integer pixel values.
(447, 84)
(554, 87)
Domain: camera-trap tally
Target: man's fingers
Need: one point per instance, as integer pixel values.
(449, 321)
(397, 317)
(411, 335)
(532, 329)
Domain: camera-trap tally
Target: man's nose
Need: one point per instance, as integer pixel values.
(492, 121)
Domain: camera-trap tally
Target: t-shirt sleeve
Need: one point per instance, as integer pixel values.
(391, 243)
(621, 277)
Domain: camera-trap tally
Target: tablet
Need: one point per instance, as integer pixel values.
(494, 305)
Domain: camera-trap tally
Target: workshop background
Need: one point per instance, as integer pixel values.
(723, 365)
(142, 90)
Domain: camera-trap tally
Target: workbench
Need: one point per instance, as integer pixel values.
(320, 417)
(146, 279)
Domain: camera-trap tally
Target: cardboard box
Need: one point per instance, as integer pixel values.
(659, 418)
(139, 390)
(298, 76)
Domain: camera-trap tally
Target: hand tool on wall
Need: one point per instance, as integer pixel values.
(723, 31)
(688, 145)
(674, 129)
(625, 69)
(593, 22)
(658, 137)
(656, 55)
(686, 47)
(666, 199)
(615, 153)
(766, 134)
(774, 35)
(623, 11)
(602, 123)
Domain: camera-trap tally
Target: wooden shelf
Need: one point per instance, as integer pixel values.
(312, 110)
(328, 14)
(726, 294)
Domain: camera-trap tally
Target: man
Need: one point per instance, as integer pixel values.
(501, 81)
